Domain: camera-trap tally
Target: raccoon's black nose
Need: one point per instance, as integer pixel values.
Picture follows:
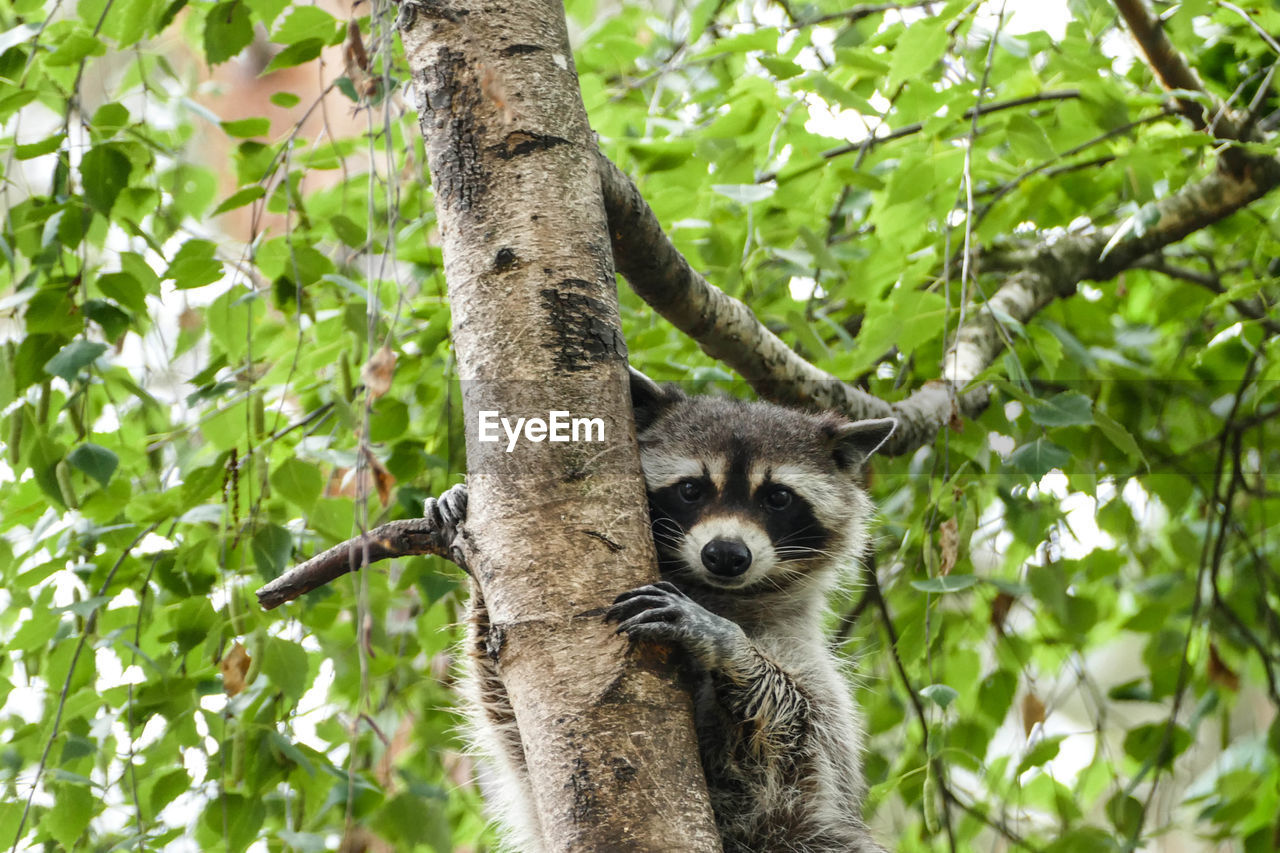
(726, 557)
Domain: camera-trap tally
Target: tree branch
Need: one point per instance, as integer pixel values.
(724, 327)
(727, 330)
(1169, 66)
(1176, 74)
(405, 538)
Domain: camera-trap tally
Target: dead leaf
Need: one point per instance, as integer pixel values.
(378, 371)
(343, 482)
(949, 536)
(382, 479)
(1219, 673)
(1000, 606)
(234, 665)
(353, 52)
(1032, 713)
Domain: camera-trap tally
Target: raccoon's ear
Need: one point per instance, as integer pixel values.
(855, 441)
(649, 399)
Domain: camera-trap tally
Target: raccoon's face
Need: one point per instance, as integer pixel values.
(748, 496)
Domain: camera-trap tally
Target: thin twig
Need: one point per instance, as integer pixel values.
(857, 13)
(916, 127)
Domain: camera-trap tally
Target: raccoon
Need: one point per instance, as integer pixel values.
(758, 512)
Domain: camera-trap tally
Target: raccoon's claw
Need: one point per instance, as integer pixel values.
(660, 612)
(449, 512)
(453, 506)
(649, 589)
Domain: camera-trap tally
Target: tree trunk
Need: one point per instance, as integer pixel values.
(555, 530)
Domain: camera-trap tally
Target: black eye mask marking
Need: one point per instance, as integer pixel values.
(792, 526)
(673, 514)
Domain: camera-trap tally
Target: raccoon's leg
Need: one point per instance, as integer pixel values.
(504, 778)
(758, 692)
(768, 748)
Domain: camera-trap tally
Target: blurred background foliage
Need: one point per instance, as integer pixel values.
(216, 216)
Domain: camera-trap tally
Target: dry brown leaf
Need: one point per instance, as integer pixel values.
(949, 536)
(1000, 609)
(1032, 713)
(378, 372)
(1219, 673)
(343, 482)
(382, 479)
(234, 665)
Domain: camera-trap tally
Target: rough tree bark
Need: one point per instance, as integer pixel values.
(554, 531)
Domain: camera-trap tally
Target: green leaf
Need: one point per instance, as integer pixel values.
(781, 69)
(125, 289)
(295, 54)
(1126, 814)
(194, 265)
(104, 171)
(348, 231)
(129, 20)
(247, 128)
(73, 808)
(1062, 410)
(75, 47)
(239, 199)
(1039, 458)
(98, 462)
(167, 788)
(109, 118)
(995, 694)
(1147, 743)
(73, 358)
(286, 664)
(939, 694)
(38, 149)
(272, 548)
(308, 22)
(946, 583)
(113, 320)
(298, 481)
(1119, 436)
(1029, 138)
(233, 821)
(227, 31)
(268, 10)
(233, 319)
(917, 50)
(1045, 749)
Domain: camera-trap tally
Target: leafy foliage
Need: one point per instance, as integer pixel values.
(1073, 642)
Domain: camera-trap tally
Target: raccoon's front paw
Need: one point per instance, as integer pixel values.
(660, 612)
(449, 512)
(453, 507)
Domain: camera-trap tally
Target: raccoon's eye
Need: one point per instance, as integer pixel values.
(689, 490)
(779, 498)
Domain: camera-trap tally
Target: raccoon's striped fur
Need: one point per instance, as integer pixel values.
(757, 512)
